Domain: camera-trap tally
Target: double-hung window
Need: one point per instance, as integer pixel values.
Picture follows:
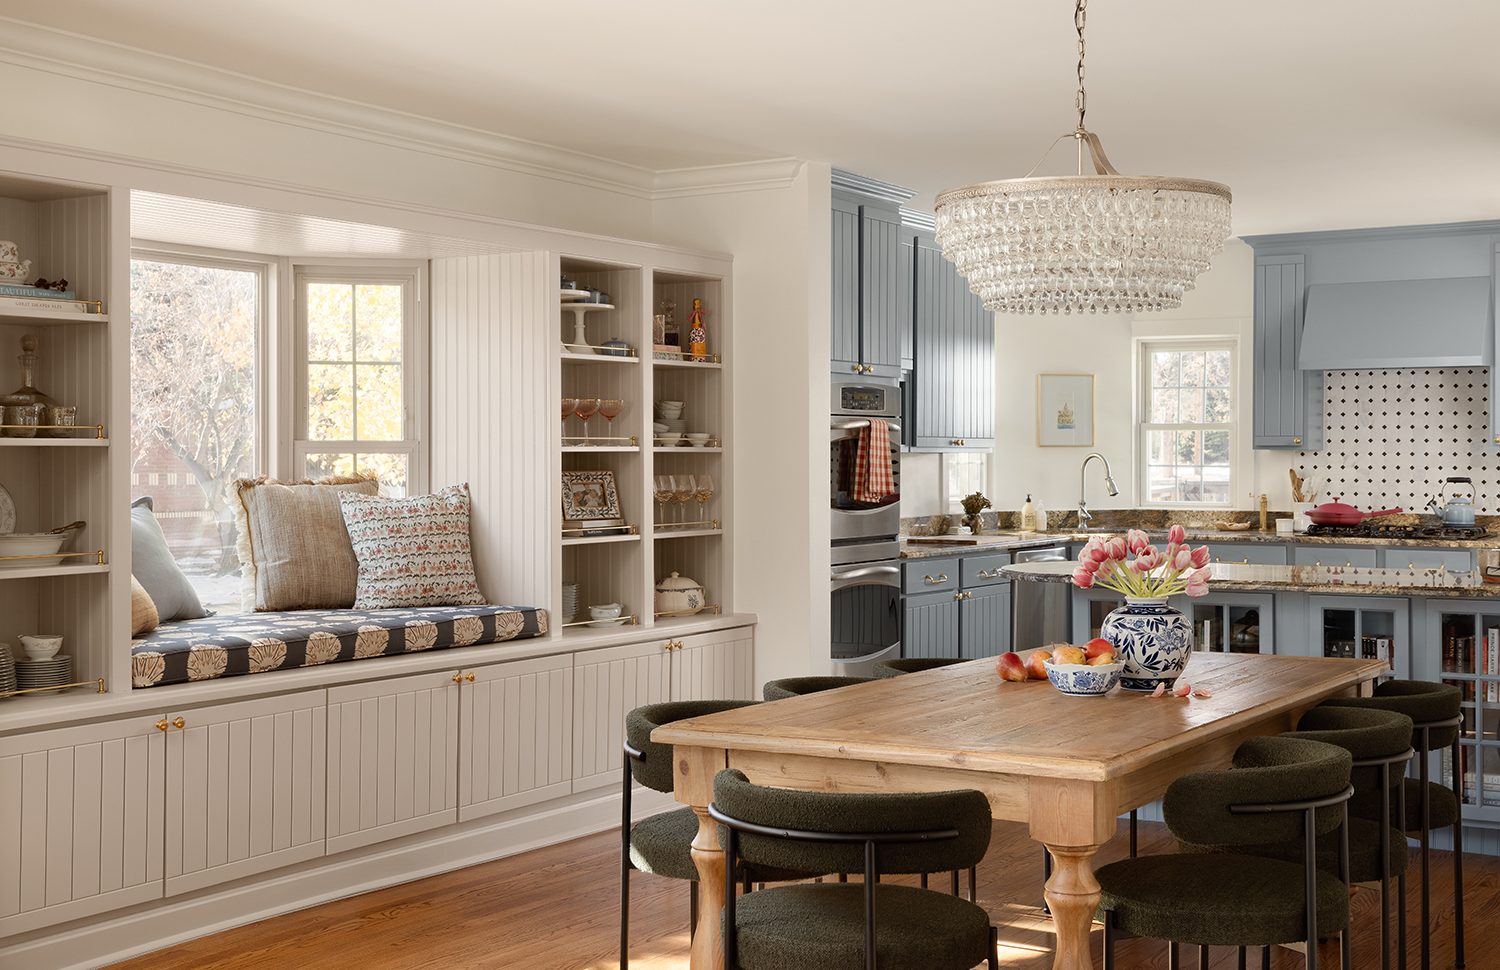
(1185, 448)
(357, 374)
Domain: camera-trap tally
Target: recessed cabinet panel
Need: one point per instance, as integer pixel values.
(392, 755)
(845, 350)
(880, 291)
(714, 666)
(984, 622)
(1288, 402)
(245, 789)
(931, 628)
(953, 358)
(81, 821)
(515, 735)
(607, 685)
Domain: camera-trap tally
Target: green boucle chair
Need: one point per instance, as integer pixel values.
(910, 665)
(1436, 711)
(776, 690)
(844, 926)
(662, 843)
(1279, 790)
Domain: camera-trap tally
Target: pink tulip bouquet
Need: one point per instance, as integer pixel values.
(1135, 568)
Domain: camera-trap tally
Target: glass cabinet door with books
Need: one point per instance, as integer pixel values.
(1465, 650)
(1367, 627)
(1090, 607)
(1231, 622)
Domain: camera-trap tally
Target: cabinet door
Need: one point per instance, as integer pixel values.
(81, 821)
(953, 365)
(931, 626)
(1288, 400)
(880, 315)
(844, 324)
(715, 666)
(906, 289)
(1321, 555)
(392, 758)
(1367, 627)
(984, 622)
(607, 685)
(515, 738)
(245, 788)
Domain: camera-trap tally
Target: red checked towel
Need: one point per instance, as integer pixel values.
(874, 480)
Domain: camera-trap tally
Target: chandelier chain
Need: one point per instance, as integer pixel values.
(1080, 21)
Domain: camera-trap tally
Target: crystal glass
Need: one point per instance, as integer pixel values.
(568, 406)
(663, 490)
(585, 408)
(703, 490)
(610, 408)
(684, 487)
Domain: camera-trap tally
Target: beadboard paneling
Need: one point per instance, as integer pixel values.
(494, 413)
(515, 736)
(71, 243)
(624, 321)
(607, 685)
(696, 557)
(605, 573)
(715, 666)
(18, 223)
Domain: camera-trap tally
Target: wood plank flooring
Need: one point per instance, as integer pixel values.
(557, 909)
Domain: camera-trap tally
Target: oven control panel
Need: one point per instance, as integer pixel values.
(876, 399)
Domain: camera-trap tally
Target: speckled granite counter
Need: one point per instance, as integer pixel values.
(1004, 540)
(1238, 577)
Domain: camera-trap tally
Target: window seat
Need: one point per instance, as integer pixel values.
(255, 643)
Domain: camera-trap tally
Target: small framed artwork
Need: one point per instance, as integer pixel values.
(1065, 410)
(589, 495)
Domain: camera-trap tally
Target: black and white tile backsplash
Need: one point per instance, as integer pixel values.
(1390, 437)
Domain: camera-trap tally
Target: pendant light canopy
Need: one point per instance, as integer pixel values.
(1099, 243)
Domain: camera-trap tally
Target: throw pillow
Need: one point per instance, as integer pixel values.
(294, 549)
(412, 551)
(151, 563)
(143, 616)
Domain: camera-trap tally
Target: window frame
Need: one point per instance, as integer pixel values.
(412, 276)
(954, 503)
(1143, 427)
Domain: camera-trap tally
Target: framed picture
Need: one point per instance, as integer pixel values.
(589, 495)
(1065, 410)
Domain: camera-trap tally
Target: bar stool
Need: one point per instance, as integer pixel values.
(911, 665)
(775, 690)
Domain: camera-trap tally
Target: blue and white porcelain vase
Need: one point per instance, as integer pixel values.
(1151, 639)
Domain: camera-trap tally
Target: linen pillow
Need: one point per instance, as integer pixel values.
(294, 550)
(143, 616)
(412, 551)
(151, 563)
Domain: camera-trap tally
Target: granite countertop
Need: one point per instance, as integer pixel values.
(1001, 541)
(1365, 581)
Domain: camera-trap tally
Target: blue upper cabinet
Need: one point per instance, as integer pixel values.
(1288, 401)
(952, 392)
(845, 355)
(867, 313)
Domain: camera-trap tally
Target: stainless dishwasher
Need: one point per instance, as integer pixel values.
(1041, 609)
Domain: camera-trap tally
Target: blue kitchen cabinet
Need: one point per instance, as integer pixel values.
(1249, 553)
(1368, 627)
(1231, 622)
(1090, 607)
(844, 323)
(1288, 402)
(952, 380)
(1346, 556)
(984, 621)
(931, 625)
(1454, 648)
(866, 312)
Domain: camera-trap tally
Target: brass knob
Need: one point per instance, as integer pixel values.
(161, 725)
(458, 678)
(178, 722)
(958, 596)
(1318, 563)
(469, 678)
(857, 369)
(667, 646)
(1297, 441)
(678, 644)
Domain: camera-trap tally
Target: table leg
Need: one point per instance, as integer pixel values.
(708, 856)
(1073, 896)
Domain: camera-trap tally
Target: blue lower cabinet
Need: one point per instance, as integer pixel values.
(931, 629)
(1231, 622)
(1369, 627)
(984, 622)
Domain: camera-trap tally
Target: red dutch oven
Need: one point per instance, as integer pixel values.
(1340, 513)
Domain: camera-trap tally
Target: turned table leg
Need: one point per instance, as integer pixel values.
(1073, 896)
(708, 856)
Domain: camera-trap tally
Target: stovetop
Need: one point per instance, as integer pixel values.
(1375, 529)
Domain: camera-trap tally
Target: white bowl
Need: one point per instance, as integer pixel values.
(1082, 680)
(698, 436)
(41, 646)
(669, 439)
(608, 611)
(658, 427)
(31, 544)
(671, 404)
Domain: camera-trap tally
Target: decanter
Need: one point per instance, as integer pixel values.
(27, 392)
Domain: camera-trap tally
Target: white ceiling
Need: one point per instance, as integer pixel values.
(1317, 113)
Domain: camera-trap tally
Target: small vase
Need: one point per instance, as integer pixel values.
(1151, 639)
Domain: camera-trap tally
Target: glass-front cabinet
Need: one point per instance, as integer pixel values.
(1465, 651)
(1231, 622)
(1361, 627)
(1090, 607)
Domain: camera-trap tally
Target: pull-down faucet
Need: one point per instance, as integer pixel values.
(1084, 515)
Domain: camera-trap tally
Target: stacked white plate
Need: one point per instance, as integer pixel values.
(7, 670)
(44, 673)
(570, 602)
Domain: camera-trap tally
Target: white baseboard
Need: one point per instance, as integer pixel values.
(98, 942)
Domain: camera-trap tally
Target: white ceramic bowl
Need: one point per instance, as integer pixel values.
(669, 439)
(608, 611)
(1081, 680)
(41, 646)
(658, 427)
(31, 544)
(697, 436)
(670, 404)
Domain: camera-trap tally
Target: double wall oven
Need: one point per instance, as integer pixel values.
(865, 559)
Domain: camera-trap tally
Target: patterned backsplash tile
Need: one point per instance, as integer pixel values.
(1390, 437)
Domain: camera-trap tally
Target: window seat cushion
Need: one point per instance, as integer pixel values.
(254, 643)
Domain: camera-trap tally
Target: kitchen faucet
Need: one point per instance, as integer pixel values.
(1084, 515)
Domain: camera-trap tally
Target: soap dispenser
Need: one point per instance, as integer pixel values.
(1028, 516)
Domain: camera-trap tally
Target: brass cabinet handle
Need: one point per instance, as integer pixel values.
(856, 368)
(958, 442)
(680, 644)
(1297, 440)
(988, 573)
(178, 722)
(458, 678)
(469, 678)
(930, 581)
(161, 725)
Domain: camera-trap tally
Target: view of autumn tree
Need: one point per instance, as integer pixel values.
(192, 364)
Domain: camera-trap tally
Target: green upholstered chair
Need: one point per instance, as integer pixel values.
(1423, 805)
(1279, 790)
(662, 843)
(911, 665)
(776, 690)
(843, 926)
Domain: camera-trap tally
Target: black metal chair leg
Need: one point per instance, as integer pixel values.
(1243, 955)
(1458, 859)
(1134, 831)
(924, 880)
(994, 948)
(1346, 939)
(973, 884)
(1109, 941)
(1265, 958)
(625, 911)
(955, 882)
(692, 909)
(1173, 962)
(1426, 836)
(1385, 867)
(1202, 956)
(747, 883)
(1401, 879)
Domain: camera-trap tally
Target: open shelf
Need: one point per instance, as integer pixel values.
(41, 318)
(670, 533)
(598, 540)
(599, 449)
(43, 572)
(685, 450)
(54, 442)
(676, 362)
(571, 356)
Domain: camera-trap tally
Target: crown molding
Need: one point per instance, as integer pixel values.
(885, 191)
(34, 47)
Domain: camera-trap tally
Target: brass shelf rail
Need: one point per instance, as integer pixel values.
(98, 555)
(98, 686)
(97, 429)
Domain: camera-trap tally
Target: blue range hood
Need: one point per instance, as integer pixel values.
(1398, 323)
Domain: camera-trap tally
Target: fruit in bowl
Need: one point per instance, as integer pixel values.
(1088, 679)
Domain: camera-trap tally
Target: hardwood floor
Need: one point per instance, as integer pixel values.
(557, 909)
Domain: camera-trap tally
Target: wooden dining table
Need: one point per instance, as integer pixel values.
(1066, 766)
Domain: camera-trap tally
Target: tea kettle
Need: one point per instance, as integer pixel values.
(1458, 510)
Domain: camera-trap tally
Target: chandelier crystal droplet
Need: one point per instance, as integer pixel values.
(1097, 243)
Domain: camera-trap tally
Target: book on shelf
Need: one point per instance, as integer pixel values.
(1492, 665)
(27, 305)
(36, 292)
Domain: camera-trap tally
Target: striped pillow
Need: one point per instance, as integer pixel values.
(412, 551)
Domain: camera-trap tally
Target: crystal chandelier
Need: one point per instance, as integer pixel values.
(1104, 242)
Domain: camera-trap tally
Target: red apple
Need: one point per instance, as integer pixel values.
(1034, 661)
(1010, 667)
(1097, 646)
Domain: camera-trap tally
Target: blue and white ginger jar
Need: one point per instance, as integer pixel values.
(1151, 639)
